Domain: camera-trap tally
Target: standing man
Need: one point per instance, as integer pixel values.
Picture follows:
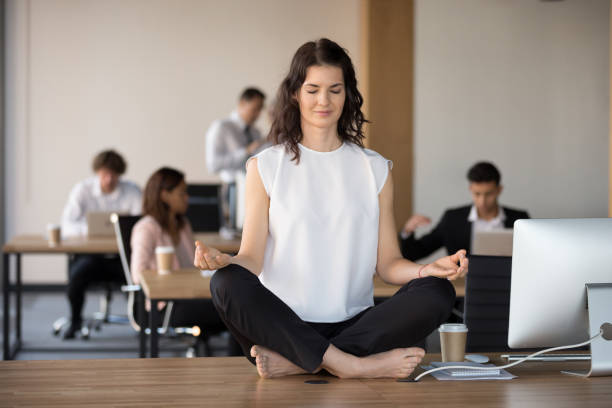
(229, 143)
(103, 192)
(457, 226)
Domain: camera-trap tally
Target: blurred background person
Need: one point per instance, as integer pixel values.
(164, 223)
(105, 191)
(229, 143)
(457, 226)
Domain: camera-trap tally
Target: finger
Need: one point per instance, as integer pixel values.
(457, 256)
(223, 259)
(445, 273)
(216, 262)
(197, 260)
(204, 265)
(210, 260)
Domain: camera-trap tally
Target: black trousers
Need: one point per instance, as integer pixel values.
(85, 270)
(254, 315)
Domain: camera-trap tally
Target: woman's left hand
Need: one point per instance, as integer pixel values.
(450, 267)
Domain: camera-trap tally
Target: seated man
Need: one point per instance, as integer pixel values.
(457, 227)
(104, 192)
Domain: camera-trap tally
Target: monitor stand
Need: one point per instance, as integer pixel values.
(599, 297)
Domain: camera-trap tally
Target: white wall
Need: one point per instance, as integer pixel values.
(523, 83)
(146, 77)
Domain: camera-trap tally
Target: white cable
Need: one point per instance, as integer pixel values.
(511, 364)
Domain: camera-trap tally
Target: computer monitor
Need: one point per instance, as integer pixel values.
(204, 211)
(552, 261)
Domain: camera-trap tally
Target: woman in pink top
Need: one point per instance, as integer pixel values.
(164, 224)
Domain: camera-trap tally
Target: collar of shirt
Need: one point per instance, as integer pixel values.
(235, 116)
(499, 219)
(97, 190)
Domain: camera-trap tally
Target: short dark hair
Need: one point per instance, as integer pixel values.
(251, 93)
(111, 160)
(484, 172)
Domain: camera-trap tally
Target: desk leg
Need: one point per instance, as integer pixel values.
(18, 296)
(142, 336)
(153, 319)
(6, 338)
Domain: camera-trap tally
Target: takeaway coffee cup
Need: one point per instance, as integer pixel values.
(54, 235)
(452, 341)
(165, 257)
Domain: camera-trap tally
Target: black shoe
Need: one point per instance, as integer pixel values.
(72, 330)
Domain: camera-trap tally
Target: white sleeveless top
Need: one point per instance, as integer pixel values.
(322, 243)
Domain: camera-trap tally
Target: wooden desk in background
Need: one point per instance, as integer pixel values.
(38, 244)
(190, 284)
(233, 382)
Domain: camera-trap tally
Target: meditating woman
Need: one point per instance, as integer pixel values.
(319, 224)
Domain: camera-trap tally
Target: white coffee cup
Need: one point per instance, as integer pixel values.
(54, 235)
(452, 341)
(165, 258)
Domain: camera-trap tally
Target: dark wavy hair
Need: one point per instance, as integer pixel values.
(164, 179)
(286, 128)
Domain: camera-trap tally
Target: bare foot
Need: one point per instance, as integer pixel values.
(270, 364)
(396, 363)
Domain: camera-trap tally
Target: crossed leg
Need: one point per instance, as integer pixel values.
(373, 346)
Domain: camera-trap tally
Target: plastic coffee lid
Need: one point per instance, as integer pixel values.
(52, 226)
(164, 250)
(453, 328)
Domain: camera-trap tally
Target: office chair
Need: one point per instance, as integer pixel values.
(123, 226)
(487, 303)
(204, 211)
(103, 316)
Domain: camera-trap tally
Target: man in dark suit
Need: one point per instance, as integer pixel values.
(457, 226)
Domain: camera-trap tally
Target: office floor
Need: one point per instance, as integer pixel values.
(41, 309)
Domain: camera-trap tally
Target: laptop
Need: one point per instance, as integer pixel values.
(99, 224)
(493, 243)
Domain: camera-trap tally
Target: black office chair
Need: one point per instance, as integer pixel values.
(487, 303)
(204, 211)
(99, 318)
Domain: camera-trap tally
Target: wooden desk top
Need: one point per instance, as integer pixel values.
(190, 284)
(233, 382)
(38, 244)
(181, 284)
(214, 240)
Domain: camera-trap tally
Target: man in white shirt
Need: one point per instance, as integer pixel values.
(103, 192)
(230, 142)
(457, 226)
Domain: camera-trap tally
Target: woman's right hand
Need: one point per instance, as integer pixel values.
(209, 258)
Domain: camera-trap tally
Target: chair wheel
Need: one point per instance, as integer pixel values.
(85, 333)
(56, 332)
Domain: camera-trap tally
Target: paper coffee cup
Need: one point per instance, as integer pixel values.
(54, 235)
(452, 341)
(165, 258)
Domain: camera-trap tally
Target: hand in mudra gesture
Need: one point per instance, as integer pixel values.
(450, 267)
(207, 258)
